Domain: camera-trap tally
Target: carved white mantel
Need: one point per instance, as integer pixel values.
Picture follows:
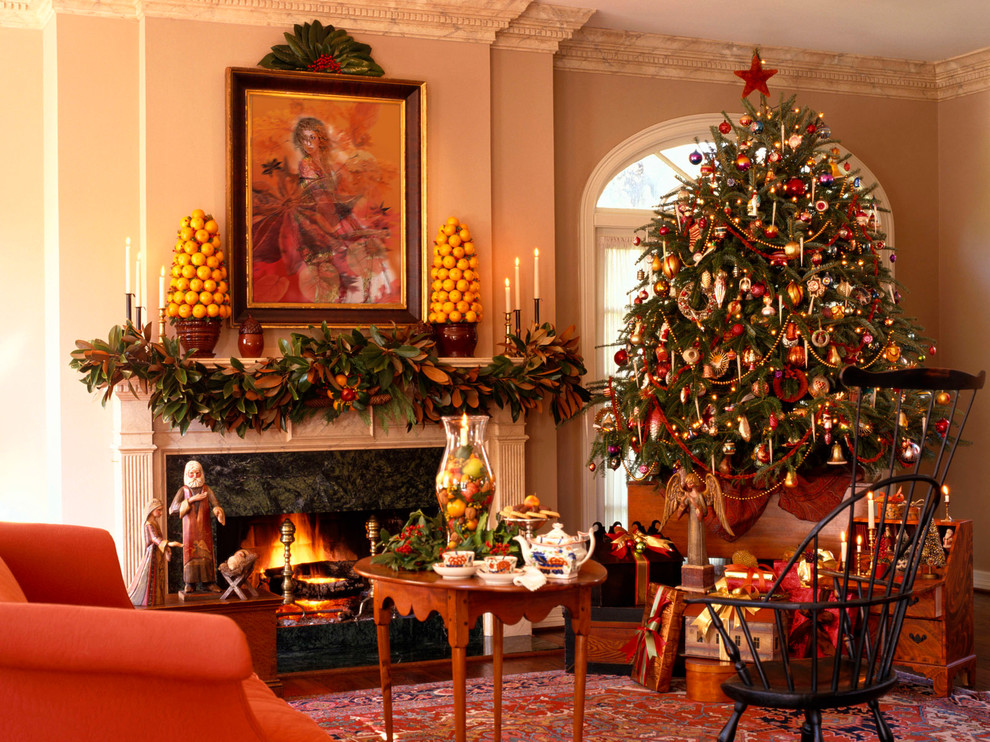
(141, 444)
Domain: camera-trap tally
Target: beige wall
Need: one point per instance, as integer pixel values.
(22, 341)
(964, 285)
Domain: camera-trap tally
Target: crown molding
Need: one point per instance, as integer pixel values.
(536, 26)
(963, 75)
(683, 58)
(542, 27)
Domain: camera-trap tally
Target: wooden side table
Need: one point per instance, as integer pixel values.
(257, 618)
(460, 603)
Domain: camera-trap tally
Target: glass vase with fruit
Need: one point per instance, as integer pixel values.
(465, 485)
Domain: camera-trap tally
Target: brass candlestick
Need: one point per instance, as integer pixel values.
(510, 347)
(871, 537)
(161, 324)
(288, 536)
(372, 529)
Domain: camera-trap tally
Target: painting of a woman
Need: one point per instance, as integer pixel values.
(323, 227)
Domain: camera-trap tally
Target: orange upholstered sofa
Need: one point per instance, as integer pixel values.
(77, 662)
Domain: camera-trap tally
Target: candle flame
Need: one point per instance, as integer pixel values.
(536, 252)
(517, 262)
(506, 283)
(859, 540)
(945, 490)
(842, 536)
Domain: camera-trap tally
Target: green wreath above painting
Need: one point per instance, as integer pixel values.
(314, 47)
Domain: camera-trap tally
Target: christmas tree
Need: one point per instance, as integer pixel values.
(758, 283)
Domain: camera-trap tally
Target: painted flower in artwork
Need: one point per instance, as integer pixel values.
(324, 191)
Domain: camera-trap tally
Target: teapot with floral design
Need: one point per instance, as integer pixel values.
(557, 555)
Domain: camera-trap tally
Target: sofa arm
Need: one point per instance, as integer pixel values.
(64, 564)
(85, 673)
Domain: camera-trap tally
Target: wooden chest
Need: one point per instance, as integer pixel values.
(611, 629)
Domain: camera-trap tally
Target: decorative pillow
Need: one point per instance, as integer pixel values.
(10, 591)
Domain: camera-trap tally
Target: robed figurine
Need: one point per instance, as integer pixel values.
(689, 493)
(149, 582)
(195, 504)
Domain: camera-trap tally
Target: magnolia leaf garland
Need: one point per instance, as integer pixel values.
(318, 48)
(395, 371)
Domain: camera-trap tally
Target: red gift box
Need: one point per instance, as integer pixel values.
(749, 579)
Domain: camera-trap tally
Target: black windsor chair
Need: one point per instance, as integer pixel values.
(867, 596)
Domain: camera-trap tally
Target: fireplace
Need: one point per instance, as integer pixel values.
(344, 470)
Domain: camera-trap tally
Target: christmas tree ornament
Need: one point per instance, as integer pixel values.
(818, 386)
(795, 293)
(745, 119)
(826, 179)
(942, 426)
(655, 264)
(636, 240)
(762, 453)
(758, 290)
(725, 127)
(768, 310)
(838, 458)
(794, 141)
(745, 284)
(592, 466)
(790, 480)
(932, 551)
(691, 356)
(834, 359)
(943, 398)
(791, 249)
(931, 350)
(621, 357)
(892, 353)
(755, 77)
(695, 158)
(614, 463)
(770, 231)
(910, 452)
(795, 356)
(661, 287)
(744, 430)
(671, 266)
(795, 187)
(820, 338)
(743, 163)
(821, 206)
(728, 448)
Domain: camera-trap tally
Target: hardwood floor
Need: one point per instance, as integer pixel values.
(336, 681)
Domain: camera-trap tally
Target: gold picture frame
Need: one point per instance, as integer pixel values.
(326, 198)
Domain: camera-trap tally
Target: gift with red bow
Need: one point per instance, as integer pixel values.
(653, 649)
(633, 559)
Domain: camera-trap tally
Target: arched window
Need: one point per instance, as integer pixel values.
(619, 199)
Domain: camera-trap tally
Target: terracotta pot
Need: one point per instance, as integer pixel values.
(200, 335)
(250, 338)
(456, 339)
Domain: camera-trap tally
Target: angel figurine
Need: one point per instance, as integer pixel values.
(688, 493)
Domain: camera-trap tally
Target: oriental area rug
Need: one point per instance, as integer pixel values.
(536, 707)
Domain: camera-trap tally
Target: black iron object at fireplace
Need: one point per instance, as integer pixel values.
(319, 580)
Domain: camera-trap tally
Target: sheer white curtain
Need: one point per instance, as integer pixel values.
(618, 255)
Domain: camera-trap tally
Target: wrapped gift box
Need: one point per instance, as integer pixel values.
(631, 570)
(654, 648)
(702, 640)
(611, 629)
(750, 579)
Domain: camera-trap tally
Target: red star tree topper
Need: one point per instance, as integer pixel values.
(755, 77)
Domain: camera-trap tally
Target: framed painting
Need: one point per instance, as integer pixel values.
(326, 189)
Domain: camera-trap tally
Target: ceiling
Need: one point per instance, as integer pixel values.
(922, 30)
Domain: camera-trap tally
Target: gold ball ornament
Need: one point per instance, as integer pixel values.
(661, 287)
(671, 266)
(792, 249)
(795, 293)
(943, 398)
(892, 353)
(656, 264)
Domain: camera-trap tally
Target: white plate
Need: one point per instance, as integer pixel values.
(497, 578)
(454, 573)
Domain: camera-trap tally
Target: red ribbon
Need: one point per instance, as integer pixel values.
(758, 572)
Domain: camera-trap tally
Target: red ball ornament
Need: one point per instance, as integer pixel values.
(794, 187)
(942, 426)
(746, 119)
(758, 290)
(931, 350)
(771, 231)
(811, 128)
(738, 329)
(663, 231)
(592, 466)
(846, 166)
(621, 357)
(636, 240)
(743, 163)
(725, 127)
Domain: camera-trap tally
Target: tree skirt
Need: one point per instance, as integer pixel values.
(536, 707)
